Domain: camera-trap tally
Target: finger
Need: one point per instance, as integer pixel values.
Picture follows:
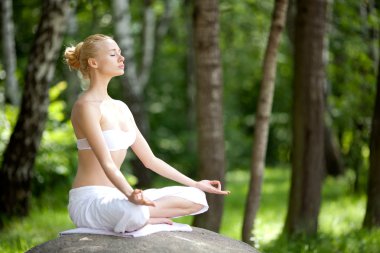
(149, 203)
(221, 192)
(217, 184)
(142, 195)
(224, 192)
(136, 193)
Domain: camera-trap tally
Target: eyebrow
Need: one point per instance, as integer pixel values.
(119, 50)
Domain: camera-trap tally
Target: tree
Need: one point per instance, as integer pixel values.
(190, 75)
(264, 108)
(9, 52)
(72, 77)
(209, 105)
(19, 155)
(308, 118)
(333, 156)
(136, 79)
(372, 215)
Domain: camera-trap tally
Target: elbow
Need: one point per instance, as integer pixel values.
(108, 166)
(150, 162)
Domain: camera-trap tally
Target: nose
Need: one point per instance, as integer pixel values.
(121, 58)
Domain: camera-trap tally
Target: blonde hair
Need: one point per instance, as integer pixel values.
(77, 56)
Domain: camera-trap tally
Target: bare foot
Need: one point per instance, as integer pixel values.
(160, 221)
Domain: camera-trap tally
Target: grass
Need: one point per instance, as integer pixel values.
(340, 218)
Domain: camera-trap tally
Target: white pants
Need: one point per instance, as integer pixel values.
(103, 207)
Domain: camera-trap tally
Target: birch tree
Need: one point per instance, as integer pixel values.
(18, 159)
(12, 92)
(136, 78)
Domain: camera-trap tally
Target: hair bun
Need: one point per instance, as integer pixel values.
(72, 56)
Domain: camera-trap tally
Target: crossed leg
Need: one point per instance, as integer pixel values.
(170, 207)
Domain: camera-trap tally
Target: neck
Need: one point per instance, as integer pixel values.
(98, 87)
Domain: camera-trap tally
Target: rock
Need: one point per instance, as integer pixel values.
(197, 241)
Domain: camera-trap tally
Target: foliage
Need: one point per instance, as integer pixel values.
(243, 39)
(56, 158)
(172, 134)
(352, 79)
(48, 216)
(7, 122)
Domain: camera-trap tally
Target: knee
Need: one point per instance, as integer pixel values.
(141, 217)
(193, 208)
(134, 218)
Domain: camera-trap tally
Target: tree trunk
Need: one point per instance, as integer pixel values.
(333, 157)
(12, 91)
(372, 215)
(190, 76)
(135, 81)
(209, 105)
(72, 77)
(264, 109)
(165, 20)
(308, 119)
(334, 161)
(20, 153)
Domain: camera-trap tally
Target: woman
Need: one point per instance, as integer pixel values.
(101, 198)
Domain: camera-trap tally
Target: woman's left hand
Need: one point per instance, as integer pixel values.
(211, 186)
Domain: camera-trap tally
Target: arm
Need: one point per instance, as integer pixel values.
(145, 154)
(86, 116)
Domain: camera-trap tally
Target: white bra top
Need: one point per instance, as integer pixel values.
(115, 139)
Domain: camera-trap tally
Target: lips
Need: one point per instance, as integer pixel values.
(121, 67)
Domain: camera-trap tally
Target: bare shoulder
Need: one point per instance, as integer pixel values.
(83, 108)
(123, 106)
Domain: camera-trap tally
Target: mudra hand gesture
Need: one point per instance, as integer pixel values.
(137, 198)
(211, 186)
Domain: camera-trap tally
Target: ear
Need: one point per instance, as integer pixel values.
(92, 63)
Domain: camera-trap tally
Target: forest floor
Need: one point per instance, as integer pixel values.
(340, 219)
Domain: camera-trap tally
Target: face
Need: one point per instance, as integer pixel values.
(109, 60)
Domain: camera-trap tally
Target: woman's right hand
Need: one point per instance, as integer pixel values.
(137, 198)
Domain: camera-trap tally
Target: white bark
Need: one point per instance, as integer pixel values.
(163, 24)
(12, 92)
(148, 46)
(125, 40)
(137, 77)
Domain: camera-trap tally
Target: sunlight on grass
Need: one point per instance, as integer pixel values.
(339, 221)
(234, 204)
(340, 218)
(40, 226)
(341, 210)
(272, 207)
